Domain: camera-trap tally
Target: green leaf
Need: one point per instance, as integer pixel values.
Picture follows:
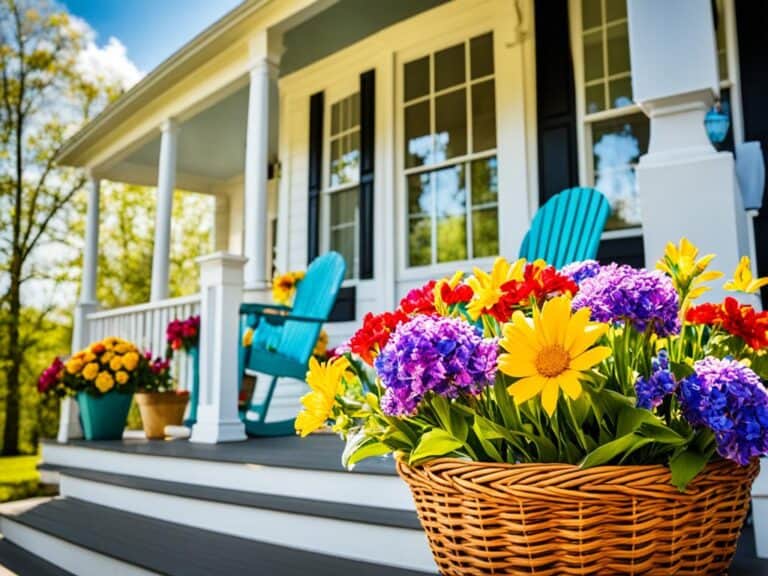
(369, 448)
(607, 452)
(681, 370)
(661, 433)
(436, 442)
(685, 466)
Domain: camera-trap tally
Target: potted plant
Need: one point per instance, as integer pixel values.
(589, 420)
(160, 405)
(103, 378)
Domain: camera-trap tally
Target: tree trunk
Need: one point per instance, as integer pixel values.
(12, 408)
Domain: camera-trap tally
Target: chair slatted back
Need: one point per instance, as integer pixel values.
(567, 228)
(315, 296)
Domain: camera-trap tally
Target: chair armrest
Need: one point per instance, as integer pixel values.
(285, 317)
(259, 309)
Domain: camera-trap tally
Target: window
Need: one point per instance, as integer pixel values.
(449, 115)
(616, 131)
(341, 193)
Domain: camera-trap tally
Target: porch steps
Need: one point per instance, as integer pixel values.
(18, 561)
(89, 539)
(282, 506)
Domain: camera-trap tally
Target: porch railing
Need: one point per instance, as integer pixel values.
(144, 325)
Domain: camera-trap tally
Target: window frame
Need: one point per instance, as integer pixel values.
(584, 121)
(333, 95)
(429, 49)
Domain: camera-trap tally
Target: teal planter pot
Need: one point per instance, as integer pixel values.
(103, 417)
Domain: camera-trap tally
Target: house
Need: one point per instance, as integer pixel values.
(415, 137)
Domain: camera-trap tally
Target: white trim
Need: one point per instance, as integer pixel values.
(146, 307)
(353, 488)
(70, 557)
(317, 534)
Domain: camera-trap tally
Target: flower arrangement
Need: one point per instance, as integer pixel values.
(156, 374)
(182, 334)
(588, 365)
(284, 286)
(106, 365)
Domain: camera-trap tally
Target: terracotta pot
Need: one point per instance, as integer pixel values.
(161, 409)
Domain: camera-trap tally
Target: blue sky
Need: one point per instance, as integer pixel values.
(151, 30)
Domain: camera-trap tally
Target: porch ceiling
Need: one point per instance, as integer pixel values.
(211, 149)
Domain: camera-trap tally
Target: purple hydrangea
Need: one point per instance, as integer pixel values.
(651, 391)
(447, 356)
(580, 271)
(729, 399)
(642, 298)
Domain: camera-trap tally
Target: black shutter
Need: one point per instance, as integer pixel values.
(316, 107)
(367, 154)
(556, 104)
(750, 24)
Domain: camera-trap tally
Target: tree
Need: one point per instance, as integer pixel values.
(42, 99)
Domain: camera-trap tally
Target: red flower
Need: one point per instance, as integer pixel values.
(176, 344)
(737, 319)
(50, 376)
(461, 294)
(419, 300)
(98, 348)
(368, 341)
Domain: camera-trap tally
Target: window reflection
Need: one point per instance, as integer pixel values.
(617, 147)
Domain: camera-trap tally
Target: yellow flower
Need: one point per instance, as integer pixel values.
(321, 346)
(325, 381)
(550, 352)
(487, 287)
(116, 363)
(89, 357)
(284, 286)
(106, 357)
(104, 382)
(440, 306)
(687, 273)
(110, 343)
(123, 347)
(122, 377)
(247, 337)
(130, 361)
(74, 365)
(90, 371)
(743, 280)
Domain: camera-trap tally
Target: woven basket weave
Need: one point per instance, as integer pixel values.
(556, 519)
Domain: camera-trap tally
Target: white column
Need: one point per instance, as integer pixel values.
(69, 424)
(686, 187)
(166, 181)
(221, 286)
(255, 221)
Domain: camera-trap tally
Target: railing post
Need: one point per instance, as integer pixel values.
(221, 283)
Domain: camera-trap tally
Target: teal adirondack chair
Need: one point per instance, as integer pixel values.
(567, 228)
(284, 338)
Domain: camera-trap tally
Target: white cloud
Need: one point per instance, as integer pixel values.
(109, 63)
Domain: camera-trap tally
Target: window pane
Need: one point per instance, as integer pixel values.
(485, 182)
(481, 55)
(590, 14)
(595, 96)
(335, 118)
(483, 116)
(617, 146)
(449, 67)
(419, 194)
(418, 139)
(593, 56)
(419, 241)
(615, 9)
(344, 207)
(450, 125)
(343, 242)
(345, 159)
(354, 105)
(485, 232)
(620, 92)
(618, 49)
(451, 214)
(417, 78)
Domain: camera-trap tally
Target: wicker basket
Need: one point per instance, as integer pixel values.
(555, 519)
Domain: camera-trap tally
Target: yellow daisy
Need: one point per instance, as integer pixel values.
(325, 382)
(104, 382)
(687, 270)
(90, 371)
(116, 363)
(550, 352)
(743, 280)
(487, 287)
(130, 361)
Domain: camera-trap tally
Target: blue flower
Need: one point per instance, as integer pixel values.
(729, 399)
(580, 271)
(651, 391)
